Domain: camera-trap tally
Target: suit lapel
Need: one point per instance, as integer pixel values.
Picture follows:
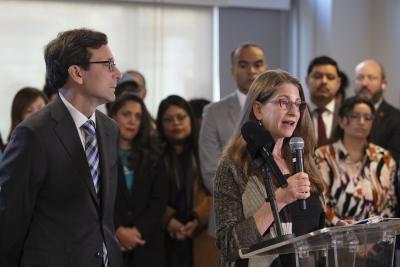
(69, 137)
(234, 109)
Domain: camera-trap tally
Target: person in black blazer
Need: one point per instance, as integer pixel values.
(371, 83)
(55, 213)
(142, 193)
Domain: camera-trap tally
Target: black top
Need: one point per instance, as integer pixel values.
(304, 221)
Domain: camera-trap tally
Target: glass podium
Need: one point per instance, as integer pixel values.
(354, 245)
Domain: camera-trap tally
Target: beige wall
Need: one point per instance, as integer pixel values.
(351, 31)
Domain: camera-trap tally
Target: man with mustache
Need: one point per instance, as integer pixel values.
(371, 82)
(323, 82)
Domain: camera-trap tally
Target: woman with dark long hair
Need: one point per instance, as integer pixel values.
(186, 216)
(358, 175)
(142, 193)
(26, 101)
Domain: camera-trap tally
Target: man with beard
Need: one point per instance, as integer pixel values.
(371, 82)
(323, 81)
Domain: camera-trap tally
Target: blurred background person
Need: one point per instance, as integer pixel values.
(124, 85)
(142, 194)
(140, 81)
(248, 60)
(27, 101)
(186, 216)
(49, 91)
(323, 81)
(371, 82)
(243, 217)
(358, 175)
(197, 105)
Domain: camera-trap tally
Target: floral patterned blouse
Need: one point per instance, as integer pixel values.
(357, 190)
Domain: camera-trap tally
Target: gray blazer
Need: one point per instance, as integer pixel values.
(219, 122)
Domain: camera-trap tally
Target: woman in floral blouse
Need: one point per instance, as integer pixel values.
(358, 175)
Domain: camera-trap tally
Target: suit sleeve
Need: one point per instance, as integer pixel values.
(22, 171)
(209, 148)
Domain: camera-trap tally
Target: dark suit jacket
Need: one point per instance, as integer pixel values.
(143, 209)
(52, 215)
(386, 129)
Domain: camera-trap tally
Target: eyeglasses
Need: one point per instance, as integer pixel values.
(358, 116)
(110, 63)
(286, 104)
(171, 119)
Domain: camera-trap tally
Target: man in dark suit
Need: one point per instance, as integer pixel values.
(371, 82)
(323, 81)
(59, 173)
(220, 118)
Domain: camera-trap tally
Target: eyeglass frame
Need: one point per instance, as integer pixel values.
(110, 63)
(301, 105)
(368, 117)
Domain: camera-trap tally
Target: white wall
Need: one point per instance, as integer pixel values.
(349, 32)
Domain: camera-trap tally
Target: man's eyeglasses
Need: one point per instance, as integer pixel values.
(358, 116)
(110, 63)
(286, 104)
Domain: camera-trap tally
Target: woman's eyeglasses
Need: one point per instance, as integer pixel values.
(286, 104)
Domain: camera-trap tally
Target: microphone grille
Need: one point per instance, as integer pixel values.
(296, 143)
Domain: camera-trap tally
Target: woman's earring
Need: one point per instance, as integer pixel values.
(259, 123)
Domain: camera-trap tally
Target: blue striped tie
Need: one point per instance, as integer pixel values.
(92, 155)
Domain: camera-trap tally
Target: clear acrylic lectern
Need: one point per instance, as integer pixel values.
(355, 245)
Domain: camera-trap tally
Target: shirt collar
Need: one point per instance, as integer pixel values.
(77, 116)
(378, 104)
(330, 107)
(241, 97)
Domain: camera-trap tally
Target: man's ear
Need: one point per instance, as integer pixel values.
(384, 84)
(75, 73)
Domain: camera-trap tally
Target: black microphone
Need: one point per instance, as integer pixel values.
(296, 145)
(259, 144)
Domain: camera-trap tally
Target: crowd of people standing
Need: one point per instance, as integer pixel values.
(181, 189)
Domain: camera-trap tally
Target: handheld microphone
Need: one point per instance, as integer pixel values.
(296, 145)
(259, 143)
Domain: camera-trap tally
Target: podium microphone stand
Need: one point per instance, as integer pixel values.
(271, 199)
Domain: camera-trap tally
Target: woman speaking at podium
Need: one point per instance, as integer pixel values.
(276, 101)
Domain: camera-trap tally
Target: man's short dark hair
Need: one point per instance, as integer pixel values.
(244, 45)
(322, 60)
(70, 48)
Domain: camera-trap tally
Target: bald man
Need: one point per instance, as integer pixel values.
(371, 82)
